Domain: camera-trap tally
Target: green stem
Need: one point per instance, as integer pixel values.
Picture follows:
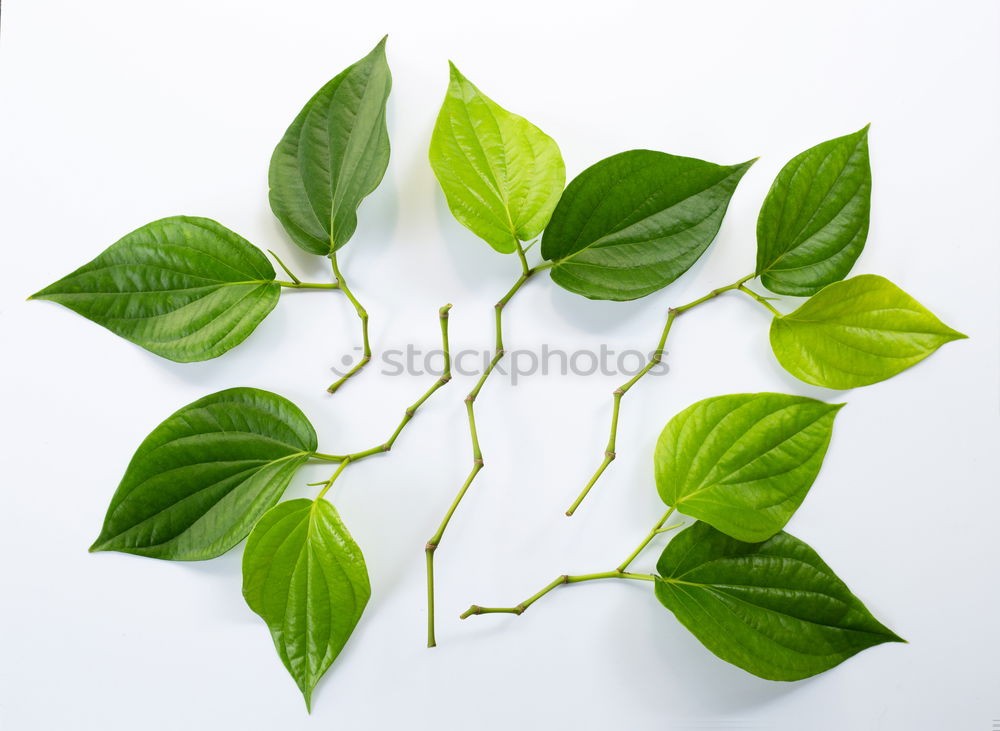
(649, 537)
(306, 285)
(558, 581)
(329, 483)
(760, 298)
(410, 411)
(366, 350)
(477, 454)
(655, 358)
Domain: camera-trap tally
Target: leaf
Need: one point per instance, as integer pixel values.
(744, 462)
(636, 221)
(814, 221)
(332, 156)
(203, 477)
(855, 333)
(305, 576)
(501, 175)
(185, 288)
(772, 608)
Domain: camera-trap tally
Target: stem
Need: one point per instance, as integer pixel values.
(558, 581)
(760, 298)
(649, 537)
(329, 483)
(655, 358)
(282, 265)
(306, 285)
(366, 350)
(477, 454)
(410, 411)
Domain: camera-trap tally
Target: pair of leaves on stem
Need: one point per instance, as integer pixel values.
(213, 472)
(625, 227)
(752, 594)
(190, 289)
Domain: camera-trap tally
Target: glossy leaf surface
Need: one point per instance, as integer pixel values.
(814, 221)
(636, 221)
(774, 609)
(332, 156)
(501, 175)
(202, 478)
(857, 332)
(743, 462)
(185, 288)
(305, 576)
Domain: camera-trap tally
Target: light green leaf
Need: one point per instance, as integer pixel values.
(332, 156)
(203, 477)
(636, 221)
(743, 462)
(305, 576)
(501, 175)
(814, 221)
(772, 608)
(857, 332)
(185, 288)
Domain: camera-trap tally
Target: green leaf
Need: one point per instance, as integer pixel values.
(814, 221)
(203, 477)
(636, 221)
(305, 576)
(332, 156)
(184, 288)
(772, 608)
(857, 332)
(743, 462)
(501, 175)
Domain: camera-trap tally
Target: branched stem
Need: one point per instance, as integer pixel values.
(366, 350)
(760, 298)
(655, 358)
(656, 529)
(477, 454)
(558, 581)
(408, 414)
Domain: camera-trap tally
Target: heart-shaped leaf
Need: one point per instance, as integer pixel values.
(636, 221)
(814, 221)
(857, 332)
(305, 576)
(501, 175)
(202, 478)
(743, 462)
(772, 608)
(185, 288)
(332, 156)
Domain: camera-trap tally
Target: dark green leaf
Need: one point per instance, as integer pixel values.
(814, 221)
(184, 288)
(636, 221)
(743, 462)
(203, 477)
(772, 608)
(306, 577)
(332, 156)
(857, 332)
(502, 175)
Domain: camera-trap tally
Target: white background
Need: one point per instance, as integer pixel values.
(116, 113)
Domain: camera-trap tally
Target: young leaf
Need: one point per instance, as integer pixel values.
(857, 332)
(185, 288)
(501, 175)
(814, 220)
(636, 221)
(305, 576)
(744, 462)
(332, 156)
(772, 608)
(203, 477)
